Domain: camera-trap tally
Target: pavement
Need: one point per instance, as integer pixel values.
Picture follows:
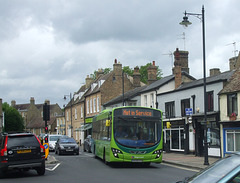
(187, 160)
(179, 159)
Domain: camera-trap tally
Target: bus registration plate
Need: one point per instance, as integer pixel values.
(136, 160)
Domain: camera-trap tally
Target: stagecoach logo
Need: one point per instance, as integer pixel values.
(138, 152)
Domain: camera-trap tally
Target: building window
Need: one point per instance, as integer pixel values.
(87, 106)
(132, 104)
(184, 104)
(81, 111)
(170, 109)
(210, 101)
(94, 105)
(232, 142)
(75, 113)
(152, 100)
(90, 105)
(67, 116)
(145, 100)
(232, 103)
(97, 104)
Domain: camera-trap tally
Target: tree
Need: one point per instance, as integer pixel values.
(13, 120)
(143, 71)
(105, 71)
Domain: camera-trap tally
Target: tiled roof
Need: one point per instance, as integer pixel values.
(39, 123)
(234, 84)
(128, 95)
(225, 76)
(21, 106)
(157, 84)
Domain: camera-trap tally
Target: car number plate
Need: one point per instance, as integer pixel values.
(69, 150)
(137, 160)
(24, 151)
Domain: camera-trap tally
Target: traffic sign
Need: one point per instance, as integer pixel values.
(188, 111)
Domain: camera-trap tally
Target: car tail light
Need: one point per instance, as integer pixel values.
(3, 152)
(42, 148)
(42, 151)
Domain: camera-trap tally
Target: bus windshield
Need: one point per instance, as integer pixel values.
(137, 132)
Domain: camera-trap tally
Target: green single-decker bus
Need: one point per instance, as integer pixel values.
(128, 134)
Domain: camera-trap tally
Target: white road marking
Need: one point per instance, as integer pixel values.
(52, 169)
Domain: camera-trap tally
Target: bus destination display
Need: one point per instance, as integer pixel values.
(136, 112)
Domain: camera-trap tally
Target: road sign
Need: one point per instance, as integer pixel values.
(188, 111)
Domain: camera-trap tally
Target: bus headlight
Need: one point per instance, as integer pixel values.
(116, 152)
(158, 153)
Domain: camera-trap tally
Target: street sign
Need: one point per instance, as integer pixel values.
(188, 111)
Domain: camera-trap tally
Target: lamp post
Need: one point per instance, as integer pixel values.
(185, 23)
(65, 97)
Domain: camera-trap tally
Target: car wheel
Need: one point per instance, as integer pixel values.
(41, 170)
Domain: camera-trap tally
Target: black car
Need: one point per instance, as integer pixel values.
(22, 151)
(88, 144)
(66, 146)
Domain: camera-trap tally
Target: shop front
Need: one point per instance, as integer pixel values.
(175, 138)
(231, 136)
(213, 134)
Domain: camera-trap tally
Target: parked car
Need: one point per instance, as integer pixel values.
(52, 141)
(224, 170)
(88, 142)
(66, 146)
(21, 151)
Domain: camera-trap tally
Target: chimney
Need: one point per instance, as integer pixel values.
(152, 73)
(183, 58)
(117, 68)
(13, 103)
(177, 69)
(214, 71)
(136, 77)
(32, 101)
(88, 81)
(99, 73)
(232, 63)
(47, 101)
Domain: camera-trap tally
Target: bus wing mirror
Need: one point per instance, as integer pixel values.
(107, 122)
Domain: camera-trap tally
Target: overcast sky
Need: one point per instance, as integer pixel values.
(47, 48)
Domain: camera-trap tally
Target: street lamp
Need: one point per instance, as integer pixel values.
(65, 97)
(185, 23)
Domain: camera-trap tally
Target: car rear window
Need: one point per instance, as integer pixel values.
(22, 141)
(54, 138)
(67, 140)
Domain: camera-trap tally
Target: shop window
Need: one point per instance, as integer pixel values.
(232, 142)
(184, 104)
(170, 109)
(232, 104)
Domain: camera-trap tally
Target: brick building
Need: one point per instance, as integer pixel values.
(33, 115)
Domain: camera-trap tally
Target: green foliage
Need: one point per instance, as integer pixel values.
(128, 70)
(105, 71)
(143, 71)
(13, 120)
